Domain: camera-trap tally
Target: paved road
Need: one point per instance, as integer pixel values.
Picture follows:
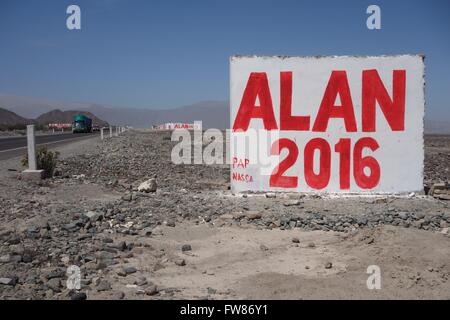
(15, 146)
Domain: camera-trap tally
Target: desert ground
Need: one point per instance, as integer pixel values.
(194, 239)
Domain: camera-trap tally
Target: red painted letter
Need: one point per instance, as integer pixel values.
(320, 180)
(277, 179)
(338, 84)
(373, 90)
(257, 86)
(359, 163)
(343, 148)
(287, 121)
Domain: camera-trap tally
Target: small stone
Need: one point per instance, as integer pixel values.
(328, 265)
(253, 215)
(151, 290)
(403, 215)
(148, 186)
(16, 258)
(295, 240)
(311, 245)
(78, 296)
(27, 257)
(186, 247)
(129, 270)
(211, 290)
(54, 284)
(140, 281)
(292, 203)
(122, 246)
(70, 227)
(93, 216)
(103, 286)
(170, 223)
(5, 258)
(119, 295)
(226, 216)
(9, 281)
(180, 262)
(56, 273)
(127, 197)
(101, 265)
(263, 248)
(362, 221)
(44, 233)
(147, 232)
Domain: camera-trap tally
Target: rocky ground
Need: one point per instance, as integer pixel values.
(193, 238)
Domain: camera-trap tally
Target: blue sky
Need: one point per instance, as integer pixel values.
(158, 54)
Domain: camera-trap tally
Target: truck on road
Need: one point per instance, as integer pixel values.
(81, 124)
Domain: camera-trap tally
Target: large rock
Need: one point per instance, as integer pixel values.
(148, 186)
(93, 216)
(8, 281)
(440, 191)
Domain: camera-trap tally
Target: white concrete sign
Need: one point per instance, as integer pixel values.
(339, 124)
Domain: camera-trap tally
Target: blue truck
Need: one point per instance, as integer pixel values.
(81, 124)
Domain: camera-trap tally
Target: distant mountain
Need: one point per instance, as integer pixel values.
(31, 108)
(213, 114)
(58, 116)
(8, 118)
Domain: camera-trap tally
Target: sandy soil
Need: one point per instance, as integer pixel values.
(246, 263)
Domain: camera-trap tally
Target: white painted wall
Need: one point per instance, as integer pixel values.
(400, 154)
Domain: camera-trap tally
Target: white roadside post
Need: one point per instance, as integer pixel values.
(31, 143)
(101, 133)
(110, 131)
(32, 173)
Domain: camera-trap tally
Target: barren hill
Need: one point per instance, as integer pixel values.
(8, 118)
(58, 116)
